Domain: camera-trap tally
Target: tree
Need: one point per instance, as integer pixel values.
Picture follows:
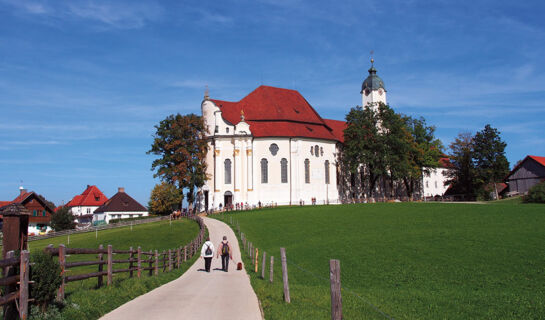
(164, 197)
(179, 141)
(463, 170)
(489, 158)
(62, 219)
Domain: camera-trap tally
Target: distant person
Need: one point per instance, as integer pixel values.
(207, 252)
(225, 250)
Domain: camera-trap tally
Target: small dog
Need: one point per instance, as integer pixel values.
(239, 266)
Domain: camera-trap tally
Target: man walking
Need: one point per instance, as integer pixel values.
(225, 249)
(207, 252)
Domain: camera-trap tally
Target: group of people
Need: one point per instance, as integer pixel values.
(224, 249)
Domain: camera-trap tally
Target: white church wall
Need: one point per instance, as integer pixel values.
(433, 183)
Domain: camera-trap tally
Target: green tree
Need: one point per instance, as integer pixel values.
(46, 277)
(63, 219)
(164, 197)
(489, 157)
(179, 141)
(461, 176)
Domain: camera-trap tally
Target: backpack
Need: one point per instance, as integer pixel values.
(225, 249)
(208, 251)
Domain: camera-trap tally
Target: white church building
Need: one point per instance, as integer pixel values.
(273, 147)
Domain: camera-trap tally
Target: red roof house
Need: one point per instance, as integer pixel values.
(527, 173)
(83, 205)
(41, 211)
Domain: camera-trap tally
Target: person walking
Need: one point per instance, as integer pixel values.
(207, 252)
(225, 250)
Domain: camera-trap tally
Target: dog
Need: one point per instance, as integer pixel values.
(239, 266)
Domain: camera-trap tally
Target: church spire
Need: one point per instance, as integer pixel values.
(206, 93)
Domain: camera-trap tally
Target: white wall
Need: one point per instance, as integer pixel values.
(434, 182)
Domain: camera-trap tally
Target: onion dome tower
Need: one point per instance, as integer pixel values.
(372, 89)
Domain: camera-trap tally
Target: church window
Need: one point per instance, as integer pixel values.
(316, 151)
(227, 130)
(312, 150)
(284, 170)
(435, 184)
(227, 164)
(307, 171)
(427, 184)
(322, 151)
(327, 171)
(273, 149)
(264, 171)
(217, 130)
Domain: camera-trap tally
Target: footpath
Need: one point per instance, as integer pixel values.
(198, 294)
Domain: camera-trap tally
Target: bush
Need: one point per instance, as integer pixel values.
(536, 194)
(63, 219)
(46, 274)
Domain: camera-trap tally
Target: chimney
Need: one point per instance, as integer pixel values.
(22, 190)
(121, 189)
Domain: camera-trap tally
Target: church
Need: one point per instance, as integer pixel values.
(272, 147)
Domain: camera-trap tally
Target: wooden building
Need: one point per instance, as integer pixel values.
(41, 212)
(527, 173)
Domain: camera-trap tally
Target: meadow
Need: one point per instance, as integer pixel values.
(403, 260)
(83, 299)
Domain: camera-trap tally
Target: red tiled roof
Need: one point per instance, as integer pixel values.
(92, 196)
(338, 128)
(277, 112)
(540, 160)
(21, 197)
(4, 203)
(445, 163)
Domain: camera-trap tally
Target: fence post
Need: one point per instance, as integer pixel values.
(150, 262)
(100, 266)
(131, 256)
(10, 309)
(62, 262)
(164, 260)
(23, 285)
(271, 271)
(110, 265)
(285, 275)
(335, 278)
(139, 262)
(256, 259)
(178, 258)
(156, 263)
(185, 253)
(169, 260)
(263, 265)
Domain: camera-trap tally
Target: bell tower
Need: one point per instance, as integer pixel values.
(372, 89)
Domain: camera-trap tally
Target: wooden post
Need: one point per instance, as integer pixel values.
(131, 256)
(169, 260)
(164, 260)
(156, 263)
(335, 279)
(62, 262)
(271, 271)
(263, 265)
(256, 259)
(185, 253)
(178, 257)
(139, 262)
(110, 265)
(10, 309)
(285, 275)
(23, 280)
(100, 266)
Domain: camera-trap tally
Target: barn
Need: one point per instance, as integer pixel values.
(527, 173)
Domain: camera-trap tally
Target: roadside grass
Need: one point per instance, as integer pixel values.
(83, 299)
(510, 200)
(402, 260)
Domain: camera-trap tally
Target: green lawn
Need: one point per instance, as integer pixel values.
(404, 260)
(83, 300)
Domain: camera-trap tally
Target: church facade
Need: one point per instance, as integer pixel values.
(272, 147)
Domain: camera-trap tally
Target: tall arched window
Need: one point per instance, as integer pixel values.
(227, 164)
(284, 170)
(316, 151)
(327, 171)
(307, 171)
(264, 171)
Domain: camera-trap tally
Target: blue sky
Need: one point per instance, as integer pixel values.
(82, 83)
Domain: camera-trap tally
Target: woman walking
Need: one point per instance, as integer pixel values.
(207, 252)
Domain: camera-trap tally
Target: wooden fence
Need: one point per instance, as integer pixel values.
(15, 280)
(139, 261)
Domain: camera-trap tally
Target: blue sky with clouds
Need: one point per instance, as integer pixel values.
(82, 83)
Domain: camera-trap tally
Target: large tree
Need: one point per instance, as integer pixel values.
(180, 143)
(489, 158)
(461, 176)
(63, 219)
(164, 197)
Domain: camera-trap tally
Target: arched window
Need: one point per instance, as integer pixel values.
(264, 171)
(307, 171)
(227, 164)
(284, 170)
(327, 171)
(316, 151)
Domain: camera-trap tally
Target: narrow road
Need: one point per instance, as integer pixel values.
(198, 294)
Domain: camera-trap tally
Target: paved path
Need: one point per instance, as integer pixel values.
(197, 294)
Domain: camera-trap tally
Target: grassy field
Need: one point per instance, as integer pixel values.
(404, 260)
(83, 300)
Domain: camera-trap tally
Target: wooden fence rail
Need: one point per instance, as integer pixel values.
(15, 296)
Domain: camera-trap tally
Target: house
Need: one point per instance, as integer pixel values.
(527, 173)
(84, 205)
(119, 206)
(433, 179)
(41, 212)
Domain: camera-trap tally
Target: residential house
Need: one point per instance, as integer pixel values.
(119, 206)
(41, 212)
(84, 205)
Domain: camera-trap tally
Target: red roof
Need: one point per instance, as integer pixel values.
(4, 203)
(338, 128)
(445, 163)
(92, 196)
(540, 160)
(277, 112)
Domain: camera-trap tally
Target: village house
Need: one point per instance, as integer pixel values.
(41, 211)
(84, 205)
(119, 206)
(527, 173)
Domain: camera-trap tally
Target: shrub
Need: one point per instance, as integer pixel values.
(536, 194)
(46, 274)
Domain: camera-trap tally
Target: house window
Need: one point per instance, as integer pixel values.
(307, 171)
(327, 171)
(88, 210)
(284, 170)
(227, 165)
(264, 171)
(34, 213)
(43, 213)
